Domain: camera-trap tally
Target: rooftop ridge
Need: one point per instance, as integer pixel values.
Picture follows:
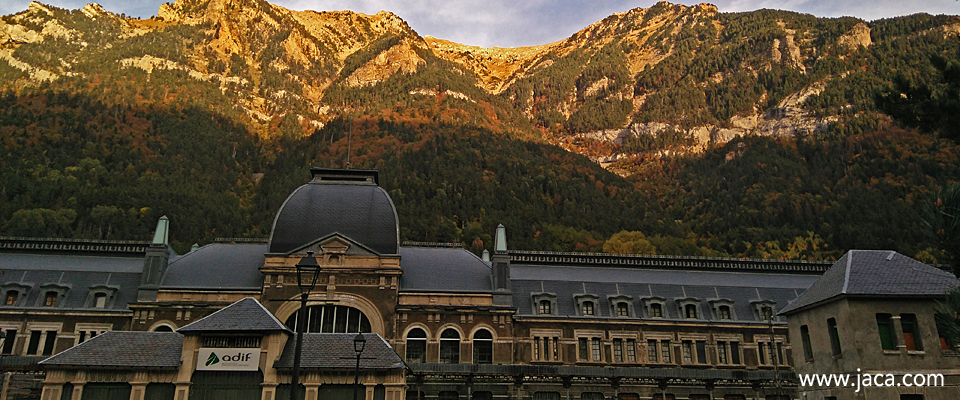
(73, 245)
(242, 240)
(432, 244)
(678, 262)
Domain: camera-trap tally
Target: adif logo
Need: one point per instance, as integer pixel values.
(213, 359)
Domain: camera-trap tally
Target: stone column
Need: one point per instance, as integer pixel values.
(183, 391)
(312, 391)
(138, 390)
(51, 391)
(77, 390)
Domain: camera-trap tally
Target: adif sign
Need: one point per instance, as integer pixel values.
(227, 359)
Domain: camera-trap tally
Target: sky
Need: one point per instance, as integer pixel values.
(514, 23)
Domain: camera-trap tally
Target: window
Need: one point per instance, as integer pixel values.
(658, 351)
(50, 343)
(834, 336)
(589, 349)
(100, 300)
(450, 346)
(687, 347)
(482, 347)
(805, 338)
(652, 351)
(84, 335)
(479, 395)
(595, 349)
(544, 307)
(911, 332)
(665, 352)
(723, 312)
(888, 339)
(50, 299)
(656, 310)
(623, 310)
(735, 353)
(701, 352)
(624, 350)
(544, 303)
(586, 308)
(12, 296)
(329, 319)
(766, 313)
(9, 341)
(417, 346)
(592, 396)
(910, 397)
(546, 395)
(546, 348)
(722, 353)
(583, 353)
(34, 344)
(690, 310)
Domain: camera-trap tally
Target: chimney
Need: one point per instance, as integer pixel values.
(502, 293)
(155, 262)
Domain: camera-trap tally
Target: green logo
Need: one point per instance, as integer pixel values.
(213, 359)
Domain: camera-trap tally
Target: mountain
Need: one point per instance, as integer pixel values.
(766, 133)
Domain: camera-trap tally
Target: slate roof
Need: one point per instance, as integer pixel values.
(335, 351)
(78, 273)
(565, 282)
(875, 273)
(217, 266)
(122, 349)
(443, 269)
(245, 315)
(362, 212)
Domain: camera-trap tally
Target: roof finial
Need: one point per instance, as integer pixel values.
(501, 243)
(162, 234)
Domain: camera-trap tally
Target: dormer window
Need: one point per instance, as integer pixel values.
(11, 298)
(654, 307)
(586, 308)
(14, 294)
(723, 312)
(723, 309)
(100, 300)
(52, 295)
(544, 303)
(101, 296)
(587, 304)
(50, 299)
(765, 310)
(621, 306)
(656, 310)
(689, 308)
(544, 308)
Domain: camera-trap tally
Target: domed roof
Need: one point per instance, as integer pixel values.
(345, 202)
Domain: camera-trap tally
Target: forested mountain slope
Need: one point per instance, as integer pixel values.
(760, 134)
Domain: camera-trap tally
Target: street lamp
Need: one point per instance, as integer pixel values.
(307, 272)
(358, 343)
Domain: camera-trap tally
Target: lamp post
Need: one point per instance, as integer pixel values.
(307, 272)
(358, 343)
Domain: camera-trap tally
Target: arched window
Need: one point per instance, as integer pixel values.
(450, 346)
(417, 346)
(656, 310)
(724, 312)
(482, 347)
(163, 328)
(587, 308)
(332, 319)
